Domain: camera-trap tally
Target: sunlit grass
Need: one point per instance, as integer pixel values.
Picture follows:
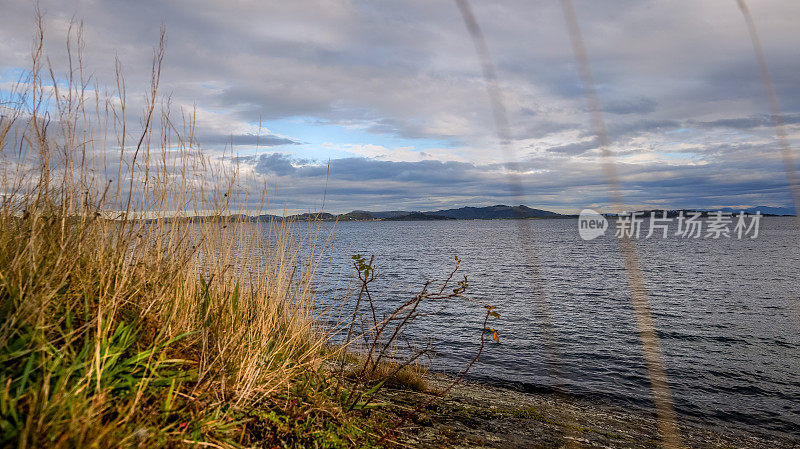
(124, 326)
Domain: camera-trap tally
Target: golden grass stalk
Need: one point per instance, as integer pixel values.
(115, 301)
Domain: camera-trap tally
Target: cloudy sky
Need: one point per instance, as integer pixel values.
(391, 93)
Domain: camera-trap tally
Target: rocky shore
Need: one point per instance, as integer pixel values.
(476, 415)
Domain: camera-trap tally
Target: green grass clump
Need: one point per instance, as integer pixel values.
(126, 323)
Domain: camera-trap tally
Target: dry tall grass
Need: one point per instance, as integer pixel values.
(122, 323)
(129, 321)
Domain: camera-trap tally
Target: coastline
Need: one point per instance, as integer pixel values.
(476, 414)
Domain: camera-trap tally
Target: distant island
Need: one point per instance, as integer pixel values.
(462, 213)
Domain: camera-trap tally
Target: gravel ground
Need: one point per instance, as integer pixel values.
(475, 415)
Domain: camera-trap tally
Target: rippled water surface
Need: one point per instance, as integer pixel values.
(727, 311)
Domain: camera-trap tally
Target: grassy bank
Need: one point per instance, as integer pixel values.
(124, 326)
(120, 329)
(108, 340)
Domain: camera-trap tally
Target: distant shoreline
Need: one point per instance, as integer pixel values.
(498, 212)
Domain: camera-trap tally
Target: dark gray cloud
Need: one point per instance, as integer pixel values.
(549, 183)
(359, 169)
(641, 105)
(275, 163)
(757, 121)
(245, 139)
(574, 148)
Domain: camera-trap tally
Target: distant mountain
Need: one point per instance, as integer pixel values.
(356, 215)
(418, 216)
(324, 216)
(765, 210)
(389, 213)
(464, 213)
(495, 212)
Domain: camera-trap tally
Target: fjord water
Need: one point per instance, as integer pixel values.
(727, 311)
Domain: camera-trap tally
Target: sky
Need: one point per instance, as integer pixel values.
(382, 105)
